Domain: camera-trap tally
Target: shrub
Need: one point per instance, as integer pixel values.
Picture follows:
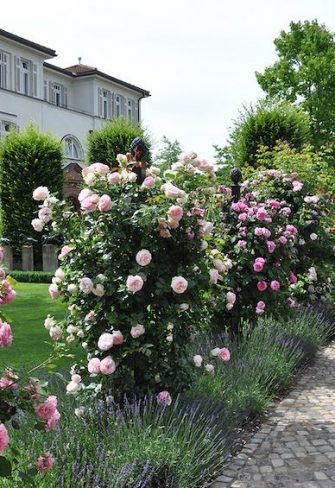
(27, 159)
(115, 138)
(265, 125)
(32, 276)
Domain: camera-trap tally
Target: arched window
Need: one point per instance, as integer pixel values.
(72, 148)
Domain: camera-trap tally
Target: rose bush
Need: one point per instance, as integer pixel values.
(134, 272)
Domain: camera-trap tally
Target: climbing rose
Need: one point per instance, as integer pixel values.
(117, 338)
(179, 284)
(107, 365)
(197, 359)
(37, 225)
(41, 193)
(275, 285)
(47, 409)
(86, 285)
(4, 439)
(262, 286)
(260, 308)
(148, 182)
(105, 341)
(134, 283)
(105, 203)
(224, 354)
(94, 366)
(214, 276)
(6, 337)
(45, 462)
(113, 178)
(175, 212)
(53, 291)
(137, 331)
(143, 257)
(164, 398)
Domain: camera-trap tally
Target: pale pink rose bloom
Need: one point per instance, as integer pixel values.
(49, 322)
(45, 214)
(86, 285)
(117, 338)
(90, 203)
(258, 231)
(243, 217)
(90, 316)
(53, 291)
(4, 438)
(96, 168)
(99, 290)
(53, 421)
(185, 157)
(73, 387)
(164, 398)
(213, 276)
(179, 284)
(175, 212)
(107, 365)
(291, 303)
(286, 211)
(258, 266)
(297, 185)
(261, 213)
(274, 203)
(72, 288)
(86, 192)
(55, 333)
(239, 207)
(198, 211)
(94, 366)
(224, 354)
(76, 378)
(64, 251)
(47, 409)
(113, 178)
(313, 236)
(41, 193)
(6, 337)
(105, 203)
(136, 331)
(105, 341)
(37, 224)
(2, 254)
(183, 307)
(275, 285)
(271, 246)
(292, 278)
(171, 191)
(149, 182)
(262, 286)
(143, 257)
(219, 265)
(241, 243)
(206, 228)
(229, 306)
(173, 224)
(291, 229)
(261, 305)
(134, 283)
(45, 462)
(260, 308)
(231, 297)
(197, 359)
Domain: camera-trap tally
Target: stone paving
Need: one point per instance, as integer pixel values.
(295, 448)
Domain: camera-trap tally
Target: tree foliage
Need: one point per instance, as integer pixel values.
(305, 73)
(27, 159)
(168, 154)
(115, 138)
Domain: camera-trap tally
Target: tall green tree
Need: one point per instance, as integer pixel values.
(168, 154)
(305, 74)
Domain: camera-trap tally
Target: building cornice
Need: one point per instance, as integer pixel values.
(33, 45)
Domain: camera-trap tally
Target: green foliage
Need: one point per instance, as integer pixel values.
(264, 125)
(32, 276)
(113, 139)
(305, 73)
(28, 159)
(168, 154)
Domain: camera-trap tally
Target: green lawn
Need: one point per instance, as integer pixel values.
(27, 313)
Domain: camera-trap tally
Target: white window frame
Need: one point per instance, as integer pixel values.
(105, 104)
(25, 75)
(72, 148)
(117, 105)
(4, 69)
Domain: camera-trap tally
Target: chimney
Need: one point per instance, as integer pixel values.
(79, 60)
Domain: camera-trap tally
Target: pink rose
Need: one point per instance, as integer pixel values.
(242, 244)
(4, 438)
(107, 365)
(2, 255)
(143, 257)
(55, 333)
(292, 278)
(134, 283)
(231, 297)
(86, 285)
(239, 207)
(260, 308)
(37, 224)
(262, 286)
(45, 214)
(291, 303)
(148, 182)
(291, 229)
(117, 338)
(94, 366)
(175, 212)
(137, 331)
(173, 224)
(271, 246)
(282, 240)
(275, 285)
(90, 203)
(183, 307)
(47, 409)
(105, 341)
(64, 251)
(259, 264)
(52, 422)
(113, 178)
(213, 276)
(164, 398)
(105, 203)
(45, 462)
(224, 354)
(53, 291)
(243, 217)
(286, 211)
(171, 191)
(261, 213)
(6, 337)
(258, 231)
(179, 284)
(274, 204)
(297, 185)
(41, 193)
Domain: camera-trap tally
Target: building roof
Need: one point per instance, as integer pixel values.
(82, 70)
(26, 42)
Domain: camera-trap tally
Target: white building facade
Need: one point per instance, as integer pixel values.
(68, 103)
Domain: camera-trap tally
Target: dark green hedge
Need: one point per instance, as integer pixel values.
(31, 276)
(28, 159)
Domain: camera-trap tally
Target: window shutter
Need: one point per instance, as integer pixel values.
(122, 106)
(34, 83)
(100, 102)
(110, 104)
(17, 73)
(51, 92)
(45, 90)
(5, 76)
(65, 98)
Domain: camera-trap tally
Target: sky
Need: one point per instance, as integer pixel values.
(197, 58)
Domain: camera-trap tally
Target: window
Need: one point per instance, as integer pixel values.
(25, 77)
(72, 148)
(105, 99)
(117, 105)
(105, 103)
(130, 109)
(57, 93)
(4, 70)
(5, 127)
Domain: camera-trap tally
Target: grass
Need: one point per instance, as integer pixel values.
(31, 344)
